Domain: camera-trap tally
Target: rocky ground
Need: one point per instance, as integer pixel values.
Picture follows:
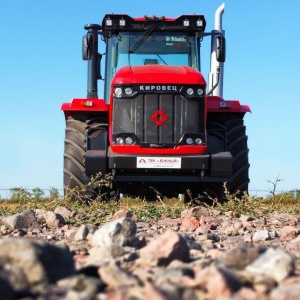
(201, 255)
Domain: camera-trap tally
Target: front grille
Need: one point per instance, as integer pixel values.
(177, 114)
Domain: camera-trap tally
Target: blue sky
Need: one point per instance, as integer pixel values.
(41, 67)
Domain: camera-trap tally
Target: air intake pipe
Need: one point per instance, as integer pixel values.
(90, 53)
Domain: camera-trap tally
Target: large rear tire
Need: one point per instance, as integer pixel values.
(229, 130)
(75, 177)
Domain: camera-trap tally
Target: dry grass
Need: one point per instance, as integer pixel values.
(97, 209)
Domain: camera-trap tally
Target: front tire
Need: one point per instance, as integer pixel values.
(75, 178)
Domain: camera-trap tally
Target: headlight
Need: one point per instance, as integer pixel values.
(199, 23)
(189, 141)
(118, 92)
(122, 22)
(186, 23)
(119, 140)
(108, 22)
(129, 140)
(128, 91)
(190, 91)
(198, 141)
(199, 92)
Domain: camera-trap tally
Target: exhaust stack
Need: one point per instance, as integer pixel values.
(90, 53)
(216, 68)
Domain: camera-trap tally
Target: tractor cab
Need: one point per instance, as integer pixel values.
(150, 41)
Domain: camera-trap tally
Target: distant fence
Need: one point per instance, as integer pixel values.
(6, 193)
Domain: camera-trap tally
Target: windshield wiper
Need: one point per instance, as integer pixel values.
(143, 38)
(162, 59)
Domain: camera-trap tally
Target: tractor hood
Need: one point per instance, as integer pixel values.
(158, 74)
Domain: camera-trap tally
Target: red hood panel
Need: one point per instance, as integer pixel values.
(158, 74)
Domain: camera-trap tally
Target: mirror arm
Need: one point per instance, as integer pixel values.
(216, 84)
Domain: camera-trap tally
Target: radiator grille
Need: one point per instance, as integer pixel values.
(136, 116)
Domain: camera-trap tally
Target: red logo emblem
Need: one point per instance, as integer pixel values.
(159, 117)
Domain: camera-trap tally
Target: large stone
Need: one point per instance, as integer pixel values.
(165, 248)
(240, 257)
(274, 263)
(244, 218)
(25, 219)
(113, 236)
(286, 292)
(197, 212)
(286, 218)
(261, 235)
(112, 274)
(216, 281)
(123, 213)
(288, 233)
(172, 275)
(63, 211)
(51, 219)
(148, 291)
(191, 242)
(189, 224)
(28, 263)
(83, 232)
(211, 222)
(81, 286)
(231, 231)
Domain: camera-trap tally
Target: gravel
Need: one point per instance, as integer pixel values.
(203, 254)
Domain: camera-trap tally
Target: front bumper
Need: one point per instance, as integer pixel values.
(193, 168)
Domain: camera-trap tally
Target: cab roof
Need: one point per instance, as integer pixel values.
(120, 22)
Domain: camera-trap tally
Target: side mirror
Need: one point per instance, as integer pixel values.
(87, 47)
(221, 49)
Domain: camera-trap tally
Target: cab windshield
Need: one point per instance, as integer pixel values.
(135, 49)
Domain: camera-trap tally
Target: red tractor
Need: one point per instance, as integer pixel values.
(158, 127)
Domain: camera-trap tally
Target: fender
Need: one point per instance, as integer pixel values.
(85, 105)
(218, 104)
